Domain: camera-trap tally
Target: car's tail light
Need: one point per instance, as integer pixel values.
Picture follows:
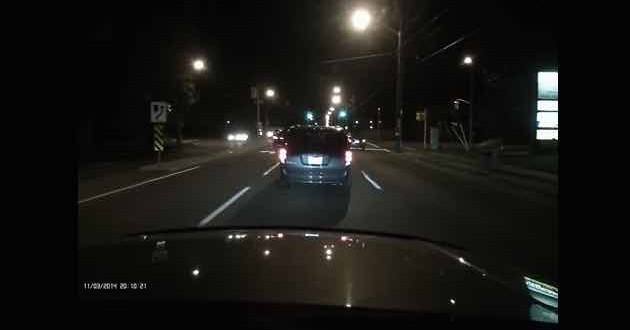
(348, 157)
(282, 155)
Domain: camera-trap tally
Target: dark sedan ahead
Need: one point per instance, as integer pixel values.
(316, 155)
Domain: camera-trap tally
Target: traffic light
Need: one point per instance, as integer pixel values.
(309, 116)
(342, 114)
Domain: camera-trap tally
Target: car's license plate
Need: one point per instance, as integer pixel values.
(315, 160)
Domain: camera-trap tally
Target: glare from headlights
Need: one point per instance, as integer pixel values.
(269, 134)
(238, 137)
(282, 156)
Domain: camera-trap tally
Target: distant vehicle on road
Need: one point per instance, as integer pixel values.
(278, 139)
(238, 136)
(358, 142)
(316, 155)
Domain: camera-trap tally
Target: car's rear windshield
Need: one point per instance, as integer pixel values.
(316, 141)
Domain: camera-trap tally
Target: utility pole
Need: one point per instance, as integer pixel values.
(470, 106)
(258, 123)
(424, 132)
(399, 83)
(378, 122)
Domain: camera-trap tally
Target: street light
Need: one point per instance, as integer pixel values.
(336, 99)
(468, 61)
(361, 19)
(336, 89)
(270, 93)
(199, 65)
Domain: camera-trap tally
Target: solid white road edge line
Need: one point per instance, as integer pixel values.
(223, 207)
(371, 181)
(136, 185)
(271, 169)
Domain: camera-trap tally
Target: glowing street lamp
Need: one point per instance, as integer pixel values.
(336, 89)
(199, 65)
(270, 93)
(361, 19)
(468, 60)
(336, 99)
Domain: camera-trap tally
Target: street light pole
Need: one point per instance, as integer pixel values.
(361, 20)
(378, 123)
(399, 82)
(470, 106)
(258, 123)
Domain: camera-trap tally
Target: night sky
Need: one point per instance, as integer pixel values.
(140, 49)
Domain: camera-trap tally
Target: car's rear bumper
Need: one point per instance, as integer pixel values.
(317, 175)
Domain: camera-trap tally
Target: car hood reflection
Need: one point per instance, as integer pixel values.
(306, 267)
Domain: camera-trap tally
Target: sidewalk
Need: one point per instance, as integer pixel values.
(514, 167)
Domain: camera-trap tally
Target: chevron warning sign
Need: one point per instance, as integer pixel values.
(158, 137)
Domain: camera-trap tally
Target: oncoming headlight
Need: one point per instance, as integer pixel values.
(231, 137)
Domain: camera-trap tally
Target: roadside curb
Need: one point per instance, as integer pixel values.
(540, 175)
(536, 181)
(539, 186)
(473, 162)
(501, 168)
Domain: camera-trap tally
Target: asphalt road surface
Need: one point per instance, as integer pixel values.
(389, 193)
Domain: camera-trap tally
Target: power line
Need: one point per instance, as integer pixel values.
(347, 59)
(448, 46)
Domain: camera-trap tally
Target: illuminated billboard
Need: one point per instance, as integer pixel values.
(546, 134)
(547, 119)
(547, 85)
(547, 106)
